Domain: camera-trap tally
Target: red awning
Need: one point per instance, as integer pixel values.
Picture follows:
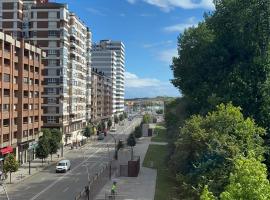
(6, 150)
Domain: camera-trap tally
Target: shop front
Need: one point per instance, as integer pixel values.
(23, 151)
(3, 153)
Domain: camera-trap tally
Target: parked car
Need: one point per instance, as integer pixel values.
(101, 136)
(63, 166)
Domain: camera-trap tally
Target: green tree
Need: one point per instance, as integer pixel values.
(10, 165)
(125, 115)
(146, 118)
(43, 148)
(88, 131)
(121, 117)
(109, 124)
(226, 59)
(206, 147)
(54, 145)
(206, 194)
(138, 131)
(247, 181)
(57, 134)
(116, 119)
(131, 141)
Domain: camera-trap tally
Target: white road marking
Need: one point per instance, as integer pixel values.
(60, 178)
(65, 189)
(27, 188)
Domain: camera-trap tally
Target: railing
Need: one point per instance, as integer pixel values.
(96, 183)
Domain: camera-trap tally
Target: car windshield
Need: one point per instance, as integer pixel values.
(61, 164)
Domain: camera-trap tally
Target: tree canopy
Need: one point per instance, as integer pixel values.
(206, 147)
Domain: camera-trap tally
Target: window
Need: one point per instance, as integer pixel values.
(31, 95)
(25, 120)
(36, 106)
(25, 133)
(51, 119)
(16, 93)
(5, 107)
(51, 100)
(25, 94)
(15, 135)
(6, 122)
(52, 14)
(25, 106)
(15, 107)
(52, 62)
(36, 81)
(25, 80)
(52, 52)
(36, 119)
(31, 81)
(53, 33)
(6, 92)
(15, 121)
(36, 94)
(6, 78)
(30, 106)
(6, 137)
(52, 24)
(30, 120)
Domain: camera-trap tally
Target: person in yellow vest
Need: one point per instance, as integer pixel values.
(113, 190)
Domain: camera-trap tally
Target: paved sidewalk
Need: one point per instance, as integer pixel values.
(134, 188)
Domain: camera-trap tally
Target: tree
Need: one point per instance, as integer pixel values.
(160, 111)
(226, 59)
(247, 181)
(131, 141)
(109, 124)
(43, 148)
(54, 145)
(121, 117)
(146, 118)
(116, 120)
(10, 165)
(57, 134)
(206, 147)
(206, 195)
(138, 131)
(88, 131)
(125, 115)
(103, 125)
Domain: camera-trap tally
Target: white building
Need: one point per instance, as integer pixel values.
(103, 61)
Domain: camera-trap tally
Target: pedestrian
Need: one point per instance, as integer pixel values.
(113, 190)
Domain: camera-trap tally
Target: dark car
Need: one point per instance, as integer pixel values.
(101, 136)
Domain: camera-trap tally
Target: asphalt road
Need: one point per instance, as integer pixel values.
(48, 185)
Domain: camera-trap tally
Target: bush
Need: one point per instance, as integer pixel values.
(138, 132)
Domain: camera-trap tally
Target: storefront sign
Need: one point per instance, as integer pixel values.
(6, 150)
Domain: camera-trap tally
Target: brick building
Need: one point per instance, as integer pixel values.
(20, 96)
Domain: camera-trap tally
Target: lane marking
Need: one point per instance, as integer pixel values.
(65, 189)
(60, 178)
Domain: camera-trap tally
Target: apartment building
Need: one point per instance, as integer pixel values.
(101, 88)
(20, 97)
(105, 61)
(67, 42)
(101, 61)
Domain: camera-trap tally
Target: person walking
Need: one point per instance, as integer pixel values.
(113, 190)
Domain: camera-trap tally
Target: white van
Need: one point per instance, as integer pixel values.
(63, 166)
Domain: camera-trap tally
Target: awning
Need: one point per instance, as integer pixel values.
(6, 150)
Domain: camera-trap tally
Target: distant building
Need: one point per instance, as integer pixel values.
(101, 99)
(109, 57)
(20, 100)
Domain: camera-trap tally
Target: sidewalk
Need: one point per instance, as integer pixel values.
(134, 188)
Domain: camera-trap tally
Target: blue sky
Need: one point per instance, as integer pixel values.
(149, 30)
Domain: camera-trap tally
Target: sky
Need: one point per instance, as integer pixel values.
(149, 30)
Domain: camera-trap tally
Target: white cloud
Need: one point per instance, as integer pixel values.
(158, 44)
(147, 87)
(182, 26)
(95, 12)
(131, 1)
(167, 55)
(168, 5)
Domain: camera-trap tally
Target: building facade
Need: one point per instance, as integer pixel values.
(20, 100)
(67, 42)
(102, 55)
(101, 99)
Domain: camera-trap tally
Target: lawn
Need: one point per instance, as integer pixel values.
(155, 158)
(159, 134)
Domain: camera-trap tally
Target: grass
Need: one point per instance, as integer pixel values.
(155, 158)
(159, 134)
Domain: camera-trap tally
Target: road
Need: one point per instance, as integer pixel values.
(47, 185)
